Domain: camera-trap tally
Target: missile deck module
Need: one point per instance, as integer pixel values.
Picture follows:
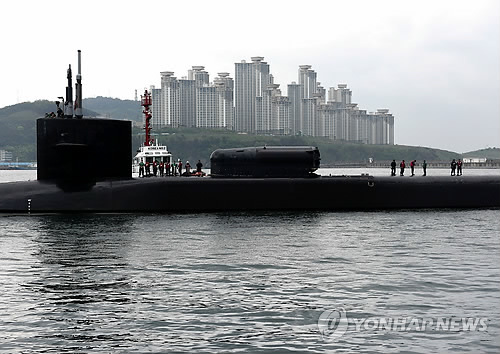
(272, 161)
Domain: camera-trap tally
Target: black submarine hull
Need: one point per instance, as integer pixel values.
(194, 194)
(84, 166)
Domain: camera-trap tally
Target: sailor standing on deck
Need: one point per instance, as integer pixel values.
(199, 165)
(402, 165)
(179, 167)
(412, 166)
(453, 167)
(141, 169)
(155, 168)
(60, 112)
(459, 167)
(393, 168)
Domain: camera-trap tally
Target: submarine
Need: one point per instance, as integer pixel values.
(72, 178)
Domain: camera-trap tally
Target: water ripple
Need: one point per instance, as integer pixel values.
(254, 282)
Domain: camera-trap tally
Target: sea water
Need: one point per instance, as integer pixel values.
(403, 281)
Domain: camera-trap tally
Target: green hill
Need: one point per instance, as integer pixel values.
(18, 135)
(18, 127)
(114, 107)
(489, 153)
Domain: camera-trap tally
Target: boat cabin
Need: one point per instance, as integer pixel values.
(158, 153)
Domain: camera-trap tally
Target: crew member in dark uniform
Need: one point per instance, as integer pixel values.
(424, 167)
(179, 167)
(393, 168)
(60, 112)
(155, 168)
(402, 165)
(199, 165)
(453, 167)
(459, 167)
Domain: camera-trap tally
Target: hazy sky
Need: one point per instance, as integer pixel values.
(434, 64)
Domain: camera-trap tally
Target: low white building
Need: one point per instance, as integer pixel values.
(474, 159)
(5, 156)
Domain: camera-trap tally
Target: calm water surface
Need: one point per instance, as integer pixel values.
(246, 282)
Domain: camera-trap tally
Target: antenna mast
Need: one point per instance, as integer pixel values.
(78, 89)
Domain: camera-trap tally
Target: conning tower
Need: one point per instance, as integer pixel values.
(75, 153)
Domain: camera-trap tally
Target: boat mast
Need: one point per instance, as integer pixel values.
(146, 103)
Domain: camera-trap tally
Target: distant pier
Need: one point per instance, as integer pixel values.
(18, 165)
(490, 164)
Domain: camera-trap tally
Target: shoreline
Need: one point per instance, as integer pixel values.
(434, 165)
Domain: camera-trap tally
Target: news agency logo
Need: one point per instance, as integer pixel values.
(333, 324)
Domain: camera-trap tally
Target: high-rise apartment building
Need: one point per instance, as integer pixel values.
(244, 97)
(251, 80)
(273, 112)
(206, 107)
(340, 94)
(225, 98)
(193, 101)
(307, 81)
(215, 102)
(157, 106)
(259, 106)
(199, 75)
(253, 103)
(170, 109)
(329, 114)
(382, 127)
(187, 103)
(320, 93)
(294, 111)
(308, 100)
(281, 115)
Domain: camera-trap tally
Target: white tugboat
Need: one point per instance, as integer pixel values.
(150, 151)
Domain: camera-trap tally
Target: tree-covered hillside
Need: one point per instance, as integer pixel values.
(18, 127)
(114, 107)
(489, 153)
(18, 135)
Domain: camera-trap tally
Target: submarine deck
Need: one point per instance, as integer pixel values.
(193, 194)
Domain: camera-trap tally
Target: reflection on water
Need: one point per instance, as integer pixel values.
(245, 281)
